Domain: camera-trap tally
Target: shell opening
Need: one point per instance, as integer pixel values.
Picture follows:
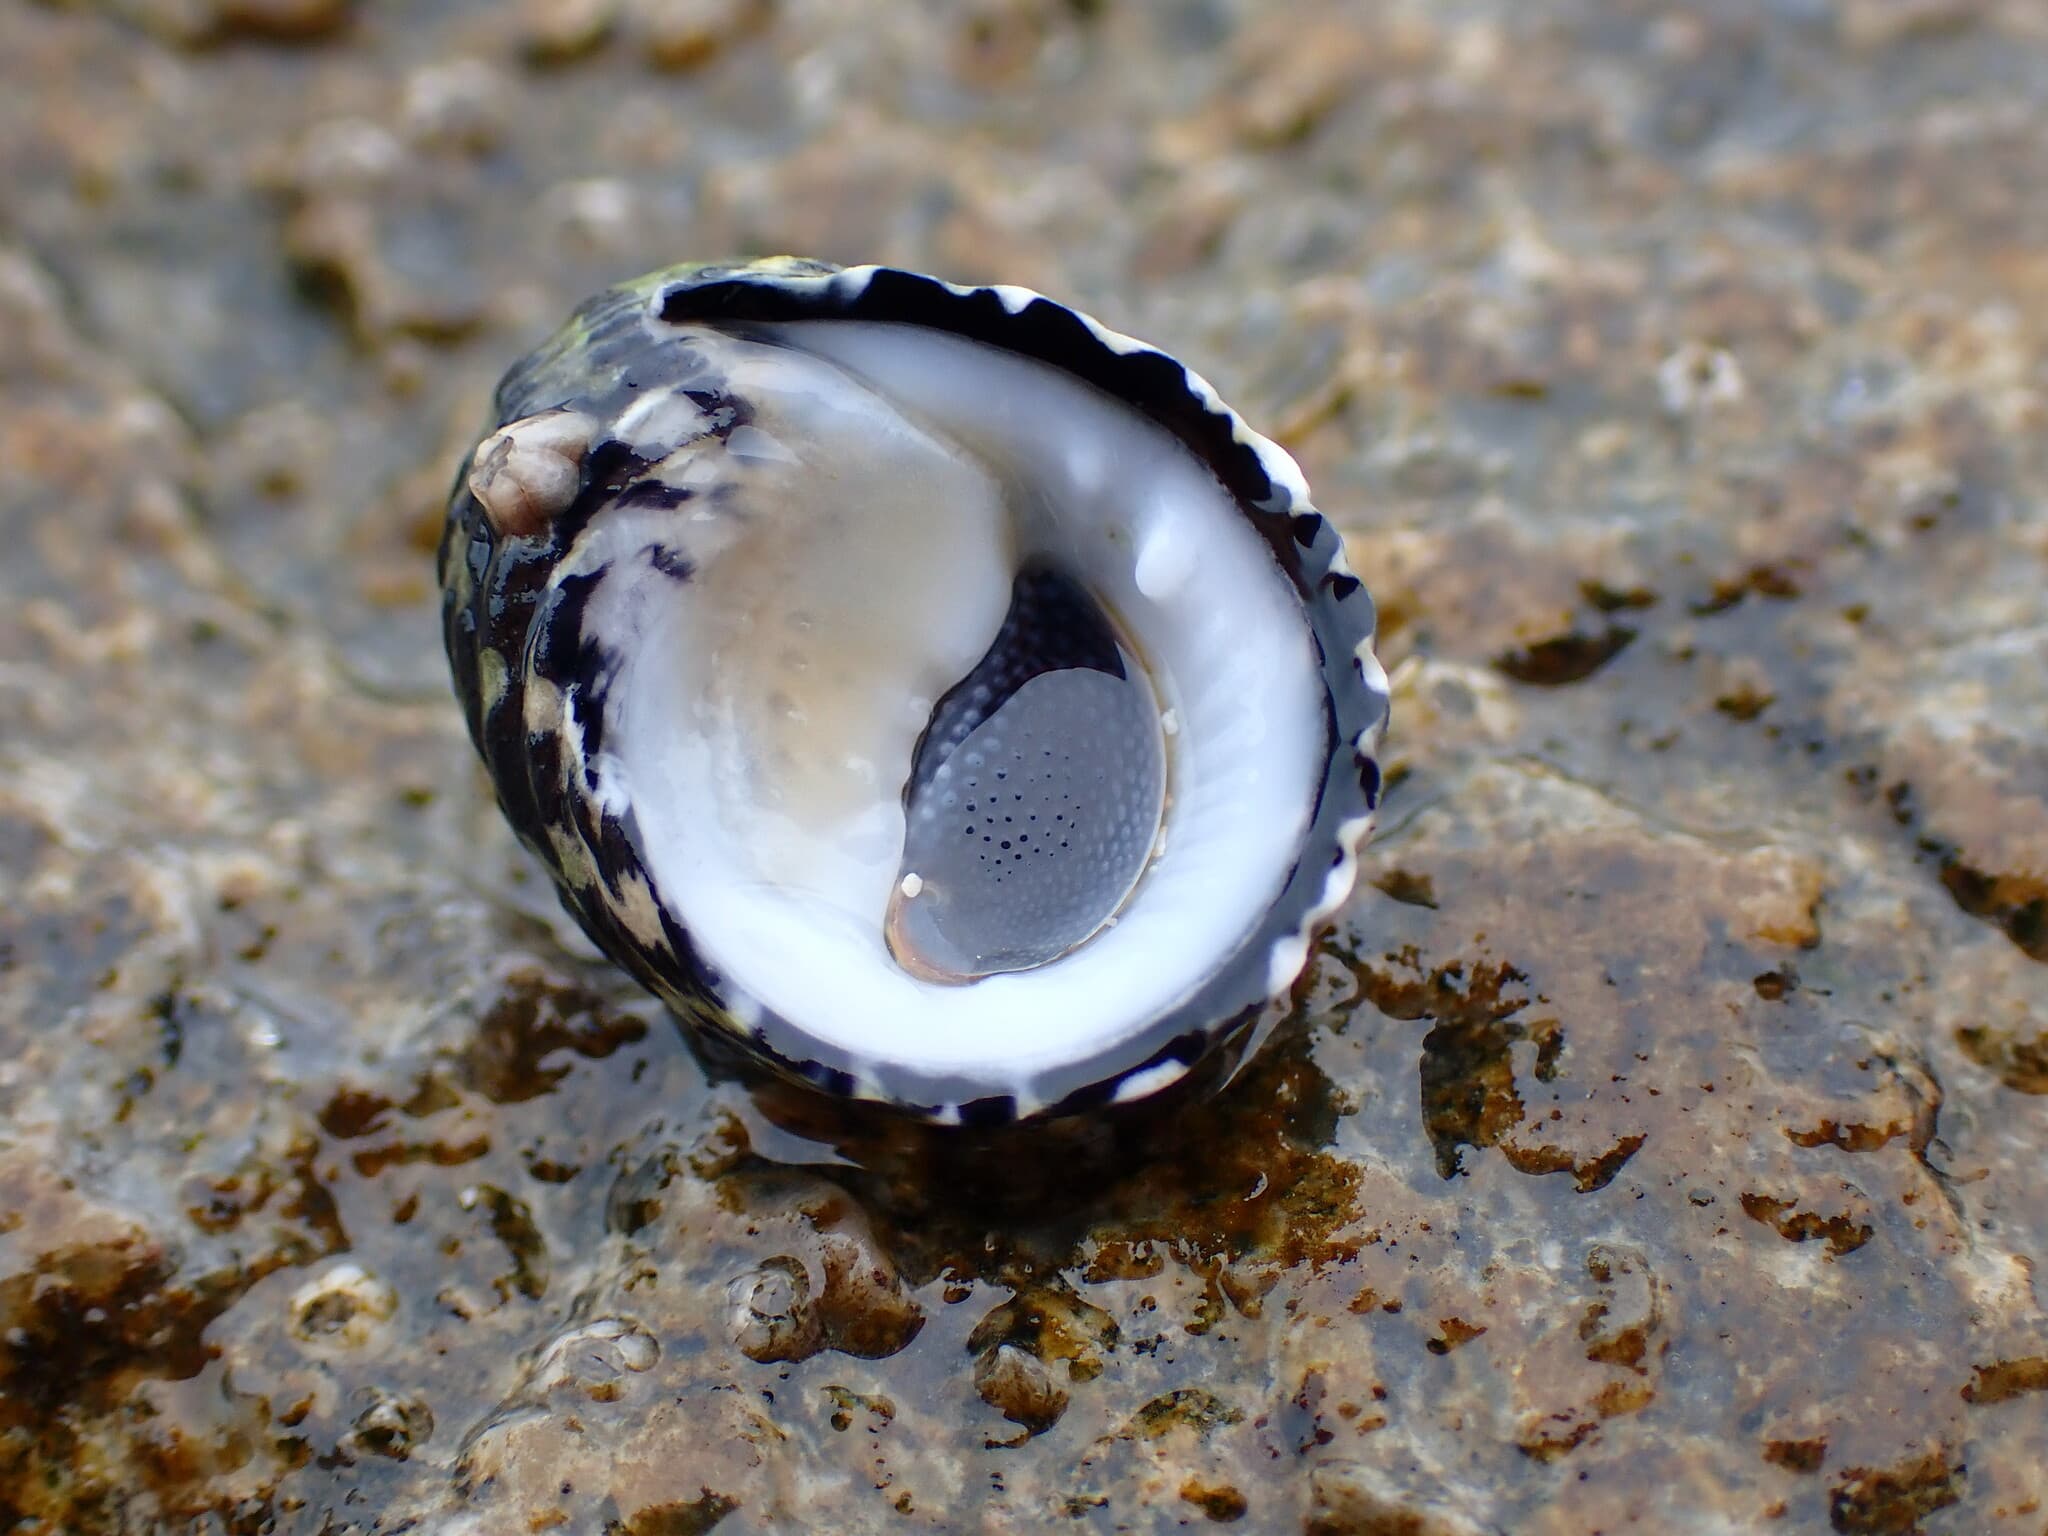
(804, 597)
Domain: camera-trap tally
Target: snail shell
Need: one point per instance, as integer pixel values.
(945, 697)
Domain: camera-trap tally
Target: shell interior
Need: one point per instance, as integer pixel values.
(886, 599)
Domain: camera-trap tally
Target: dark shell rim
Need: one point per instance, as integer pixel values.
(1260, 476)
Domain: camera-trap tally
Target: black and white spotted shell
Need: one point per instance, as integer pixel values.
(524, 572)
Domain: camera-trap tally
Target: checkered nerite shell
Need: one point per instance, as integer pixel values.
(532, 677)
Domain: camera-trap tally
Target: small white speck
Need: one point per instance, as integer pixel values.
(1697, 377)
(1149, 1080)
(911, 885)
(1284, 963)
(1169, 722)
(1165, 563)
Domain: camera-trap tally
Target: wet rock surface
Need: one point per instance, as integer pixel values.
(1657, 1143)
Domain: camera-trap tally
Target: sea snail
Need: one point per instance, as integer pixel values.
(945, 696)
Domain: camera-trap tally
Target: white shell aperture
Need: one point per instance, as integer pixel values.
(762, 727)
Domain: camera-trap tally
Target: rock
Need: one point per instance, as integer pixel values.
(688, 34)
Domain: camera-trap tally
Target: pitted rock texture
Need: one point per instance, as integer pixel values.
(1655, 1146)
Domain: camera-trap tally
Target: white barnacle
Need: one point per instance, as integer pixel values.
(527, 472)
